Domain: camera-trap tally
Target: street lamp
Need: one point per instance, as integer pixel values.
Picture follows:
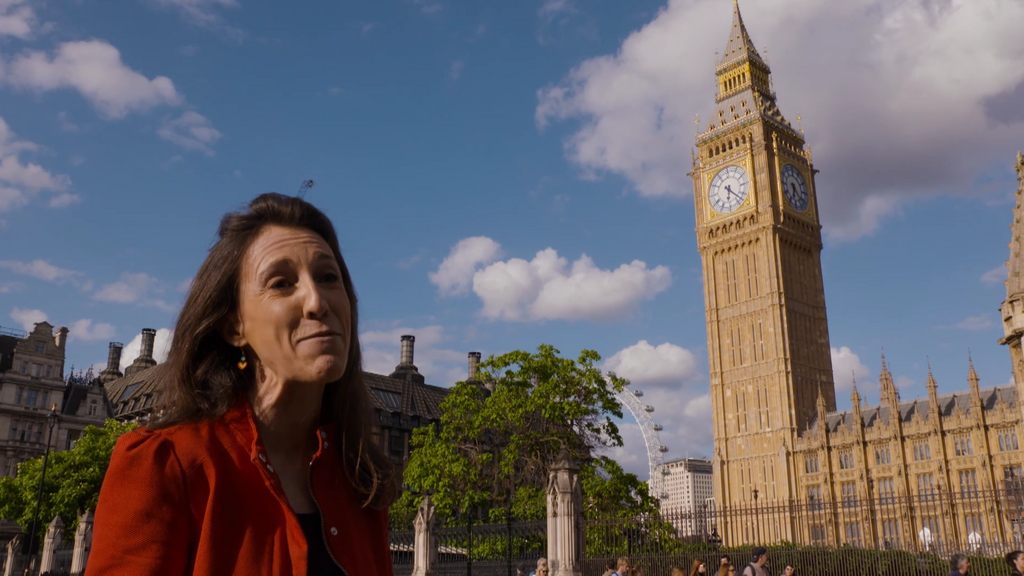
(52, 418)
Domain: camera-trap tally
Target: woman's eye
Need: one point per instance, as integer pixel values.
(280, 284)
(331, 277)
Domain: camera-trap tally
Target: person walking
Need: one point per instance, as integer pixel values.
(263, 459)
(789, 570)
(960, 565)
(758, 558)
(1015, 560)
(698, 568)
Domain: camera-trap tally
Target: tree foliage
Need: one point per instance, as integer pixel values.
(72, 485)
(491, 453)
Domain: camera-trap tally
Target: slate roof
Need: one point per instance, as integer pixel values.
(740, 45)
(947, 403)
(404, 396)
(137, 392)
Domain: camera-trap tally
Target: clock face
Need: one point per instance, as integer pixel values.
(794, 187)
(728, 189)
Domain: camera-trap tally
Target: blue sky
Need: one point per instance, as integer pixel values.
(463, 148)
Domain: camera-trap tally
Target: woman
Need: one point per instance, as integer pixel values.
(262, 462)
(727, 569)
(1015, 560)
(698, 567)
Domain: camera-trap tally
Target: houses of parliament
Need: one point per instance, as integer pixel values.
(779, 440)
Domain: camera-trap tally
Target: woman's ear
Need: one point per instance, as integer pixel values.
(231, 331)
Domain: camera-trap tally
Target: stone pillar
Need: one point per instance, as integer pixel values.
(565, 519)
(83, 543)
(54, 538)
(12, 565)
(425, 550)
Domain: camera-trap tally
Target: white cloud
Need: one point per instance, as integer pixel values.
(64, 200)
(846, 366)
(93, 68)
(455, 273)
(335, 90)
(77, 160)
(995, 275)
(204, 13)
(551, 8)
(85, 330)
(428, 6)
(130, 289)
(28, 318)
(41, 269)
(66, 124)
(547, 288)
(643, 364)
(938, 82)
(191, 131)
(20, 182)
(17, 19)
(185, 285)
(161, 346)
(439, 365)
(456, 69)
(980, 322)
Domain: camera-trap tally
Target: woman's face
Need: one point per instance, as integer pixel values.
(293, 309)
(1019, 563)
(702, 569)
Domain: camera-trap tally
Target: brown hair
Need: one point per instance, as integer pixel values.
(202, 378)
(696, 564)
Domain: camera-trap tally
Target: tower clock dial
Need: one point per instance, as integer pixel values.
(794, 187)
(728, 189)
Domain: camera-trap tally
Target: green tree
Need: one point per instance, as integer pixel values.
(491, 452)
(73, 479)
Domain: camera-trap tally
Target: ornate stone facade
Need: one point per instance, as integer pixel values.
(31, 383)
(777, 433)
(760, 245)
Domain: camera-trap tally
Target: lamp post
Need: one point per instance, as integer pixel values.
(52, 418)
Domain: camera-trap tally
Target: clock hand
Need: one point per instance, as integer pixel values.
(729, 190)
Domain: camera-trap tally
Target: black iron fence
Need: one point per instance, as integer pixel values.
(475, 549)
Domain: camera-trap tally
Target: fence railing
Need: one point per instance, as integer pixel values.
(976, 521)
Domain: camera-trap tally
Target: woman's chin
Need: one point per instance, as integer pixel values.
(327, 368)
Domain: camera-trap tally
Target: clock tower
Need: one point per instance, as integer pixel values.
(760, 244)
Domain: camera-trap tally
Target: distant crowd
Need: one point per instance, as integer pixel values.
(960, 565)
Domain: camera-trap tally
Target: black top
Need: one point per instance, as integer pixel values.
(319, 562)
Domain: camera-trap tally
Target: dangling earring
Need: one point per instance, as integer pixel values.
(242, 363)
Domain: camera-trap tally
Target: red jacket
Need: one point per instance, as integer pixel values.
(202, 499)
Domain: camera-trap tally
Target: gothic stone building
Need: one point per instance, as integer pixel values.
(776, 429)
(402, 400)
(31, 385)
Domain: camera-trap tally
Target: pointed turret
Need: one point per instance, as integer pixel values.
(858, 416)
(821, 408)
(740, 46)
(889, 395)
(933, 393)
(973, 380)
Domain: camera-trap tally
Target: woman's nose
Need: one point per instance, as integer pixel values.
(314, 305)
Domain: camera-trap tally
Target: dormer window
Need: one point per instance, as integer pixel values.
(40, 347)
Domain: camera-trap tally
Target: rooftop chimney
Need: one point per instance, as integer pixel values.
(145, 359)
(406, 368)
(408, 342)
(62, 337)
(474, 361)
(148, 338)
(113, 370)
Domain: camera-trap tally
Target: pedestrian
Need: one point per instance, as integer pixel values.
(727, 569)
(677, 571)
(609, 567)
(636, 571)
(698, 567)
(724, 561)
(1015, 560)
(789, 570)
(960, 565)
(622, 566)
(758, 558)
(263, 460)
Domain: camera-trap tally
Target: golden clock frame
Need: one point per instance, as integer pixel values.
(811, 210)
(747, 164)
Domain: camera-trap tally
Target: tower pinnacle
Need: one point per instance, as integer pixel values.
(740, 45)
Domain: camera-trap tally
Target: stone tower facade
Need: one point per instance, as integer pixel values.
(1013, 308)
(760, 242)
